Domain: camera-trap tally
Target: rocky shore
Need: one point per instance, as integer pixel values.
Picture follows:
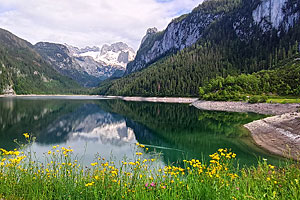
(279, 134)
(161, 99)
(261, 108)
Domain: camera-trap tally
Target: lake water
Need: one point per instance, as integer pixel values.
(112, 127)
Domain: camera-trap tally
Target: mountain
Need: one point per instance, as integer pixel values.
(59, 57)
(24, 71)
(90, 65)
(188, 29)
(116, 55)
(218, 38)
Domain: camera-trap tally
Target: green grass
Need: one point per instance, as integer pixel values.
(62, 177)
(283, 100)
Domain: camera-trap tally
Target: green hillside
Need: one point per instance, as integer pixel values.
(282, 81)
(24, 70)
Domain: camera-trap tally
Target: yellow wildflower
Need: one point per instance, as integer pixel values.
(94, 164)
(26, 135)
(89, 184)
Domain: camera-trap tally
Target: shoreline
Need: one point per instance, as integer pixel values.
(279, 134)
(260, 108)
(183, 100)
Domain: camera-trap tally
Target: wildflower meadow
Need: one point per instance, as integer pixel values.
(61, 176)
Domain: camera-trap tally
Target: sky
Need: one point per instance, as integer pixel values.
(89, 22)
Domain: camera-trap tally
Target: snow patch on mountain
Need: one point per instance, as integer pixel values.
(115, 55)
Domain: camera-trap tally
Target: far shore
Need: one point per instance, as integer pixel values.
(184, 100)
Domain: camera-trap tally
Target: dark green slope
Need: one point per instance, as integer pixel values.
(25, 71)
(221, 51)
(283, 81)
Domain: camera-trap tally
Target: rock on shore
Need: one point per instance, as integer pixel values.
(279, 134)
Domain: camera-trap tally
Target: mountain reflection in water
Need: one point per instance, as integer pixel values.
(88, 122)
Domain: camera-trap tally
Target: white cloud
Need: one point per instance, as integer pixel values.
(89, 22)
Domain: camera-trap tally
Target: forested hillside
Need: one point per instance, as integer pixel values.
(281, 81)
(23, 70)
(230, 45)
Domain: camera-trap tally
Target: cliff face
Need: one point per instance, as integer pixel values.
(186, 30)
(180, 33)
(276, 14)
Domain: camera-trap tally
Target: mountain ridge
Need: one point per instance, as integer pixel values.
(90, 65)
(23, 70)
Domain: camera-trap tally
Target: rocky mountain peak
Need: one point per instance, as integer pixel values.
(47, 46)
(116, 47)
(150, 31)
(117, 54)
(87, 49)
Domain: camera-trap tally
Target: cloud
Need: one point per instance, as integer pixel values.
(90, 22)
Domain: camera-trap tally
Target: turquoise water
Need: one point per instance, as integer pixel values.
(112, 127)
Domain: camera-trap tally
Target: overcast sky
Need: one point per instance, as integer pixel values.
(89, 22)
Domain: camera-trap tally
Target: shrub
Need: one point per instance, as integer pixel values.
(258, 99)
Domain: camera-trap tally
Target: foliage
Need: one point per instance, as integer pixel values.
(283, 100)
(281, 81)
(62, 177)
(257, 99)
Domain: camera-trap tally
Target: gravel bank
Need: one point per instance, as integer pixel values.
(261, 108)
(279, 134)
(160, 99)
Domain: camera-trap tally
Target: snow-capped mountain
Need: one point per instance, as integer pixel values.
(116, 55)
(90, 65)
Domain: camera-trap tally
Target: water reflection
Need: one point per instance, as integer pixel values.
(88, 122)
(111, 127)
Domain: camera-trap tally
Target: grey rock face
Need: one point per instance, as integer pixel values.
(150, 31)
(123, 57)
(116, 47)
(276, 14)
(180, 33)
(9, 90)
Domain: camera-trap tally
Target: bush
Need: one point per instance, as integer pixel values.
(258, 99)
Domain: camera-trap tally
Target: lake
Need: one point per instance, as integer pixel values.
(112, 127)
